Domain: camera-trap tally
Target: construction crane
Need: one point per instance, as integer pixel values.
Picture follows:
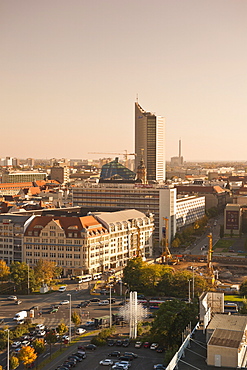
(126, 155)
(209, 262)
(166, 255)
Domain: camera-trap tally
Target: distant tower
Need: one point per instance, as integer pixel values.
(150, 136)
(142, 171)
(180, 158)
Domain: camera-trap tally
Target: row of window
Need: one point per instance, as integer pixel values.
(55, 248)
(53, 255)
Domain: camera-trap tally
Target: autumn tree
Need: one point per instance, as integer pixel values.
(50, 338)
(62, 328)
(76, 319)
(14, 362)
(21, 273)
(27, 355)
(45, 271)
(4, 270)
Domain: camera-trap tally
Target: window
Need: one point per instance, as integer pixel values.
(60, 241)
(77, 242)
(53, 241)
(29, 253)
(52, 255)
(36, 254)
(52, 233)
(52, 248)
(44, 247)
(44, 254)
(69, 249)
(60, 255)
(36, 247)
(77, 249)
(60, 248)
(76, 256)
(68, 241)
(68, 255)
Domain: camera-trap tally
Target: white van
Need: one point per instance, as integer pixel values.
(20, 316)
(62, 288)
(80, 331)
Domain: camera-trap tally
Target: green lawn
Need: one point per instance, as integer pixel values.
(225, 244)
(233, 298)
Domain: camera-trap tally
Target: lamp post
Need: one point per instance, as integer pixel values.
(189, 290)
(110, 309)
(7, 349)
(28, 278)
(193, 283)
(69, 295)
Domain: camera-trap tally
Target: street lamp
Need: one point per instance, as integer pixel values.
(7, 349)
(110, 309)
(69, 295)
(189, 290)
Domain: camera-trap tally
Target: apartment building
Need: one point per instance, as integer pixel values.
(89, 244)
(11, 237)
(25, 176)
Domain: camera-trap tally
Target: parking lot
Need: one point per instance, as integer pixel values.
(146, 359)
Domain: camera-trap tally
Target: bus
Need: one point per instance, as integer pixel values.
(97, 275)
(155, 304)
(83, 278)
(230, 307)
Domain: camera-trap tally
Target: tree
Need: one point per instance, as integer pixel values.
(27, 355)
(243, 288)
(39, 346)
(14, 362)
(20, 273)
(132, 274)
(4, 270)
(45, 271)
(150, 276)
(170, 321)
(51, 338)
(176, 243)
(62, 328)
(76, 319)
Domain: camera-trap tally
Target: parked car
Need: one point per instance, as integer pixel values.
(40, 327)
(159, 367)
(18, 301)
(126, 343)
(91, 347)
(110, 342)
(106, 362)
(119, 342)
(65, 301)
(114, 354)
(80, 331)
(134, 355)
(105, 302)
(146, 345)
(160, 349)
(95, 300)
(154, 346)
(16, 344)
(62, 288)
(138, 344)
(54, 310)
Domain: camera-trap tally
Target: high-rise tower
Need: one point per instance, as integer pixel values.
(150, 143)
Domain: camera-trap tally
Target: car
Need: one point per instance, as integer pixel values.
(17, 350)
(154, 346)
(126, 343)
(81, 354)
(138, 344)
(77, 358)
(41, 333)
(114, 354)
(123, 363)
(119, 342)
(16, 344)
(53, 310)
(89, 323)
(12, 298)
(160, 349)
(65, 301)
(40, 327)
(146, 345)
(106, 362)
(118, 366)
(65, 337)
(95, 300)
(159, 367)
(110, 342)
(62, 288)
(126, 358)
(112, 300)
(91, 347)
(105, 302)
(20, 322)
(134, 355)
(71, 362)
(80, 331)
(85, 303)
(25, 343)
(18, 301)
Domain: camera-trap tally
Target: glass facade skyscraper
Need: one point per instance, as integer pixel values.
(150, 143)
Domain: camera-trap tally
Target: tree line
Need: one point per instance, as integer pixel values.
(23, 276)
(161, 280)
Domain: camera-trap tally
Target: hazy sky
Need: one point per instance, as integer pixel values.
(71, 70)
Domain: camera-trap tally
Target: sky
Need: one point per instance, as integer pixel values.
(71, 72)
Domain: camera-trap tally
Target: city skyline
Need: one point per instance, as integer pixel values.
(71, 72)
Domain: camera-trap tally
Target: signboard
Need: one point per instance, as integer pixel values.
(232, 220)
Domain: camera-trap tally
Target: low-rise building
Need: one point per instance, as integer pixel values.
(189, 210)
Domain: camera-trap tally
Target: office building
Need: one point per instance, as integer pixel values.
(60, 172)
(25, 176)
(189, 210)
(150, 143)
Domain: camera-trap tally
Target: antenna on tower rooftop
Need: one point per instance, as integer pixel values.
(137, 97)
